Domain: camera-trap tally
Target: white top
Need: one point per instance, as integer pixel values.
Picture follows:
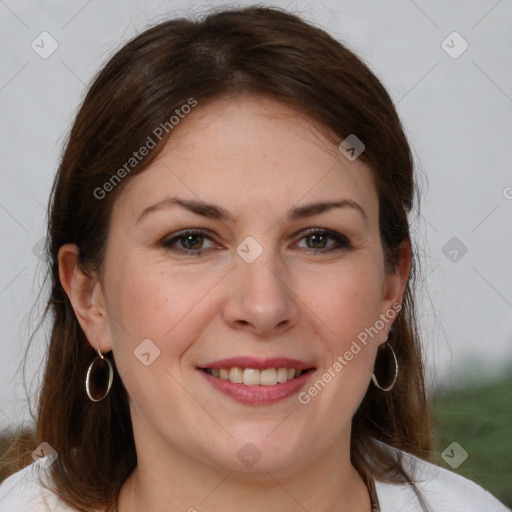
(443, 491)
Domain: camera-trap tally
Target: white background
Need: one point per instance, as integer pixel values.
(457, 114)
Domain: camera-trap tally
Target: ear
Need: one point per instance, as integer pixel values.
(86, 297)
(395, 283)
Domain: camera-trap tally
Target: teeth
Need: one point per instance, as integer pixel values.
(236, 375)
(251, 377)
(268, 377)
(282, 375)
(254, 377)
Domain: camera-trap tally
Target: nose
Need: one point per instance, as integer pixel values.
(260, 297)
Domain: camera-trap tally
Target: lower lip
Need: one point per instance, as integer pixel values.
(258, 395)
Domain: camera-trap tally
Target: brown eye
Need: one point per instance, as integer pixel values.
(322, 240)
(317, 241)
(191, 242)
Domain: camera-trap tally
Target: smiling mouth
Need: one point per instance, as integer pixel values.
(255, 377)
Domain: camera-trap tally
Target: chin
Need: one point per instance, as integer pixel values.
(258, 451)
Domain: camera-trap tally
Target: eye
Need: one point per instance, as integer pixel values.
(196, 241)
(324, 240)
(189, 242)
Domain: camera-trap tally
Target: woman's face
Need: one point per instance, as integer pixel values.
(249, 248)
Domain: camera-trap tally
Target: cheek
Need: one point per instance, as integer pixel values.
(347, 302)
(343, 312)
(156, 301)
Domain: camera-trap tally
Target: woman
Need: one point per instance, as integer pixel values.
(232, 277)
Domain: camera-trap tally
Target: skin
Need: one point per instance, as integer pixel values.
(257, 159)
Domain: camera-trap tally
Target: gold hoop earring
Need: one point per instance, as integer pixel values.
(95, 378)
(383, 366)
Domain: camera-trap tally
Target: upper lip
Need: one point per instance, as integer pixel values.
(258, 364)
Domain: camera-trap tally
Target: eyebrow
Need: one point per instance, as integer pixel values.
(215, 212)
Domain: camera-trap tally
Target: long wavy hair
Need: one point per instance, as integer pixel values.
(226, 53)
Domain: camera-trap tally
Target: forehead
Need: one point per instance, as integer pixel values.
(250, 155)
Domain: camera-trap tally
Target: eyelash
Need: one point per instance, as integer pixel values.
(342, 243)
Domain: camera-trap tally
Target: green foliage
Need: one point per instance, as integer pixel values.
(479, 418)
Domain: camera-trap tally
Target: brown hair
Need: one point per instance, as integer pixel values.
(253, 50)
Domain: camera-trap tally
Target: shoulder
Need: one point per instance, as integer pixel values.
(25, 491)
(442, 490)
